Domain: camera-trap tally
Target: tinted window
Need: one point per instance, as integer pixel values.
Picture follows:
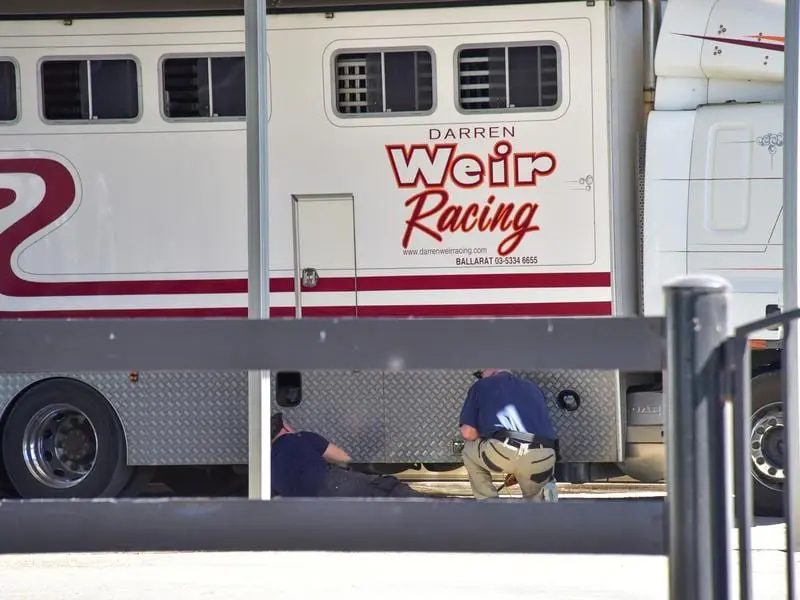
(90, 90)
(508, 77)
(384, 82)
(203, 87)
(8, 91)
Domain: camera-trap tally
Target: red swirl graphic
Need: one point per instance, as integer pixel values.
(59, 196)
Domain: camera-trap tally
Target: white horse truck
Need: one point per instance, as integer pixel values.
(426, 159)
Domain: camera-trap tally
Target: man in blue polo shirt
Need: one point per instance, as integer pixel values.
(305, 464)
(507, 429)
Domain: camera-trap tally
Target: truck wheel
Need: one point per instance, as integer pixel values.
(62, 439)
(767, 445)
(138, 482)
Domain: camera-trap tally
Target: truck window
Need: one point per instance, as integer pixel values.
(204, 87)
(97, 89)
(508, 77)
(384, 82)
(8, 91)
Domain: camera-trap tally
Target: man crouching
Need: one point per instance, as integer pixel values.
(305, 464)
(507, 429)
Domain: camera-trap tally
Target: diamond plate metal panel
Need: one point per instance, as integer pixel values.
(593, 432)
(201, 418)
(170, 418)
(345, 407)
(182, 418)
(422, 409)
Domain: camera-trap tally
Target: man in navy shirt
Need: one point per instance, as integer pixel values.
(305, 464)
(507, 429)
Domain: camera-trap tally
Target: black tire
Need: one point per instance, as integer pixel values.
(767, 493)
(138, 482)
(105, 476)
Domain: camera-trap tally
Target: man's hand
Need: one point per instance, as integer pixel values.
(469, 433)
(334, 454)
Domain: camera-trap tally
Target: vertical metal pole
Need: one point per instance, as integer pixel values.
(791, 496)
(740, 358)
(699, 505)
(255, 19)
(791, 349)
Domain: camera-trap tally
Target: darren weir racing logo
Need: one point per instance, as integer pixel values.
(432, 168)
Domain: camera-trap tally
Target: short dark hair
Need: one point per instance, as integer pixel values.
(276, 424)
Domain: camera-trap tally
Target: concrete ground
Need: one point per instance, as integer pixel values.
(289, 576)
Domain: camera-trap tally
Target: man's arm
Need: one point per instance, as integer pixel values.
(329, 452)
(334, 454)
(468, 419)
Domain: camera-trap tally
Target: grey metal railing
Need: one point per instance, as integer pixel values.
(633, 527)
(701, 356)
(698, 497)
(708, 373)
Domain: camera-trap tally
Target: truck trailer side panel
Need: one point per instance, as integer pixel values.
(440, 204)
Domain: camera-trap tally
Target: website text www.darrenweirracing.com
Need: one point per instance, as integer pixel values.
(467, 257)
(445, 251)
(464, 257)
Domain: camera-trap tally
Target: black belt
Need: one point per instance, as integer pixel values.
(518, 438)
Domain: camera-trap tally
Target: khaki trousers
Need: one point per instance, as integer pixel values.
(532, 467)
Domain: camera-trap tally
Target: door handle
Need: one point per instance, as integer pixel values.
(309, 277)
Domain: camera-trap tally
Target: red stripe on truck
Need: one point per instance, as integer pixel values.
(542, 309)
(531, 309)
(387, 283)
(381, 283)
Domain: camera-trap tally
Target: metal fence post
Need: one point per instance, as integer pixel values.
(699, 506)
(740, 368)
(259, 385)
(791, 291)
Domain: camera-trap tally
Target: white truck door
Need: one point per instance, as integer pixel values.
(325, 255)
(735, 200)
(735, 174)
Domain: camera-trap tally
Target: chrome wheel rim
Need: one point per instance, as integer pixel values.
(767, 446)
(59, 446)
